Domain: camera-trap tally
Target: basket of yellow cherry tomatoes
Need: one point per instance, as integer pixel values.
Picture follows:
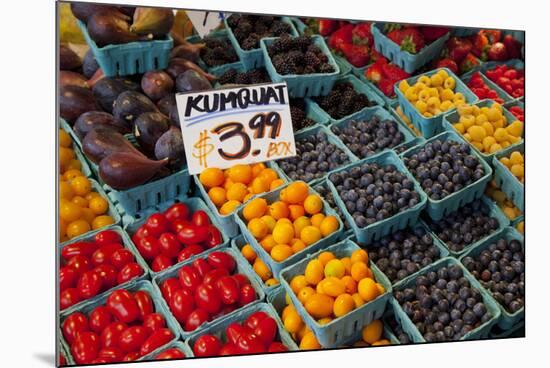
(510, 173)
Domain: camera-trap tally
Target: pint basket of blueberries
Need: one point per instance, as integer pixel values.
(444, 302)
(377, 195)
(499, 265)
(450, 173)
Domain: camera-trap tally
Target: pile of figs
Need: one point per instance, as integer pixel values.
(128, 126)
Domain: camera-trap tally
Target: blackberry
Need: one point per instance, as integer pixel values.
(249, 29)
(258, 76)
(311, 59)
(279, 28)
(298, 115)
(295, 56)
(218, 52)
(280, 45)
(253, 76)
(228, 77)
(302, 43)
(242, 78)
(251, 42)
(343, 100)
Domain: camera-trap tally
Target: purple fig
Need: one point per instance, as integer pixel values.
(102, 142)
(68, 78)
(106, 91)
(83, 11)
(148, 128)
(125, 170)
(174, 116)
(154, 21)
(187, 50)
(176, 66)
(165, 104)
(98, 119)
(68, 59)
(130, 104)
(156, 84)
(192, 81)
(75, 101)
(106, 28)
(89, 64)
(170, 146)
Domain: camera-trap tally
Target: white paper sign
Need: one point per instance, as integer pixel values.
(205, 22)
(242, 125)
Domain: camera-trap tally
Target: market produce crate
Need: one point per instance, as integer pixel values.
(144, 285)
(194, 204)
(219, 34)
(181, 345)
(252, 59)
(453, 117)
(396, 222)
(84, 167)
(481, 332)
(273, 265)
(331, 138)
(237, 244)
(242, 267)
(218, 327)
(507, 320)
(495, 212)
(489, 83)
(514, 63)
(112, 211)
(359, 87)
(504, 178)
(381, 114)
(126, 242)
(405, 60)
(438, 209)
(340, 330)
(303, 85)
(130, 58)
(430, 126)
(228, 226)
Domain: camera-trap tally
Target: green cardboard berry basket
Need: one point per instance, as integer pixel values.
(396, 222)
(437, 209)
(340, 330)
(489, 83)
(481, 332)
(273, 265)
(507, 320)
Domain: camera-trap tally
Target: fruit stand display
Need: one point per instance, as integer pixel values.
(399, 221)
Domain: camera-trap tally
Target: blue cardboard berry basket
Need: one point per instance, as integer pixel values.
(397, 221)
(361, 88)
(481, 332)
(194, 204)
(242, 267)
(490, 65)
(227, 223)
(84, 167)
(143, 285)
(348, 231)
(303, 85)
(405, 60)
(344, 65)
(400, 119)
(273, 265)
(180, 345)
(237, 244)
(111, 211)
(489, 83)
(507, 320)
(219, 326)
(437, 209)
(331, 138)
(504, 178)
(126, 242)
(520, 102)
(494, 212)
(130, 58)
(340, 330)
(221, 35)
(430, 126)
(453, 117)
(64, 350)
(381, 114)
(254, 58)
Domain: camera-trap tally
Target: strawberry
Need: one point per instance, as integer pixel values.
(457, 48)
(432, 33)
(327, 26)
(374, 73)
(362, 34)
(341, 36)
(389, 27)
(386, 87)
(497, 52)
(493, 35)
(377, 57)
(394, 72)
(481, 44)
(396, 36)
(413, 41)
(469, 62)
(513, 47)
(449, 64)
(357, 55)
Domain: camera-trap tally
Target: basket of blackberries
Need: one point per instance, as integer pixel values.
(372, 131)
(304, 63)
(216, 51)
(449, 171)
(377, 195)
(235, 74)
(499, 265)
(246, 30)
(444, 302)
(303, 115)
